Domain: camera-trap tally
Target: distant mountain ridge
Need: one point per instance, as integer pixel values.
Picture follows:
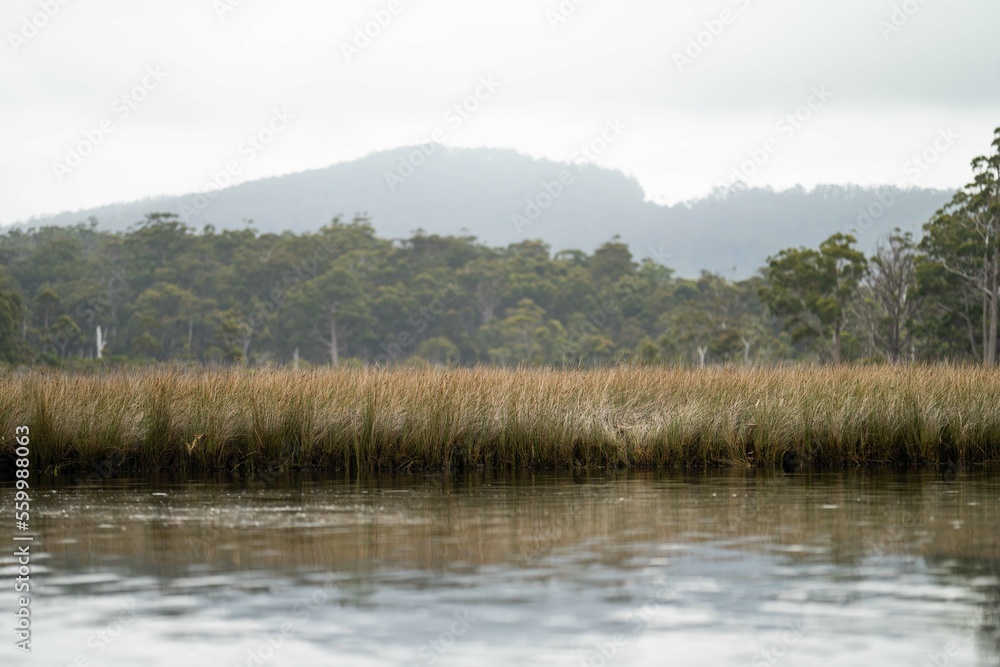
(503, 197)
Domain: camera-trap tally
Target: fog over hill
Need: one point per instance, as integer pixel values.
(503, 197)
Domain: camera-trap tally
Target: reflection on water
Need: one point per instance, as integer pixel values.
(623, 569)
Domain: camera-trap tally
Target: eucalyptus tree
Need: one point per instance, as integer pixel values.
(333, 310)
(518, 337)
(888, 301)
(11, 342)
(813, 289)
(964, 239)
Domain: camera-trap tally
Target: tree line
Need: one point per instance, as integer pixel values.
(164, 291)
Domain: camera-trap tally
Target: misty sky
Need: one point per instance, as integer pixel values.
(162, 95)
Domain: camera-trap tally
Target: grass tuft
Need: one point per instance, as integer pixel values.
(370, 419)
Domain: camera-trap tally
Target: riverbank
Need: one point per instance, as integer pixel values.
(246, 420)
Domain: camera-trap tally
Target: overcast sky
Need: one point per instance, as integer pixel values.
(887, 80)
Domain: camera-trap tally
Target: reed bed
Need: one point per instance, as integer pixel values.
(245, 420)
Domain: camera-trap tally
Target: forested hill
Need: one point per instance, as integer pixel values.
(481, 192)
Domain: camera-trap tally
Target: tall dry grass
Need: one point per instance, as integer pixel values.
(397, 419)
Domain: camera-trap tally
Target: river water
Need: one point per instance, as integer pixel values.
(551, 569)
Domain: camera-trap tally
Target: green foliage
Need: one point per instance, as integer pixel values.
(962, 247)
(439, 350)
(164, 291)
(812, 289)
(11, 345)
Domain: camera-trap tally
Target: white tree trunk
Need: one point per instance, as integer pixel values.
(991, 351)
(100, 343)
